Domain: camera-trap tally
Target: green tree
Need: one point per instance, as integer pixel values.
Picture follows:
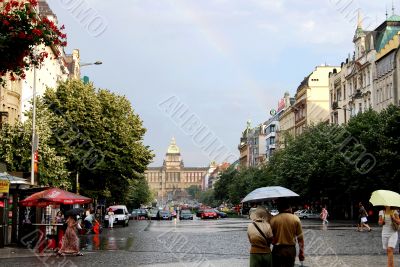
(100, 135)
(15, 150)
(207, 198)
(139, 193)
(193, 191)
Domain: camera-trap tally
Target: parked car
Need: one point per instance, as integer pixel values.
(138, 214)
(153, 214)
(165, 215)
(209, 214)
(185, 215)
(307, 214)
(199, 212)
(121, 215)
(221, 214)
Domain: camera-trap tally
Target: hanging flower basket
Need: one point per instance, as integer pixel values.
(22, 31)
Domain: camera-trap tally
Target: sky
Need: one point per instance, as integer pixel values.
(198, 70)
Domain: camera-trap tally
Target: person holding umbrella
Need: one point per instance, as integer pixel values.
(389, 219)
(286, 230)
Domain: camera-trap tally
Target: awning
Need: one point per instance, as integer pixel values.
(54, 196)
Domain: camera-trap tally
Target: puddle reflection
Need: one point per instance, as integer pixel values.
(105, 242)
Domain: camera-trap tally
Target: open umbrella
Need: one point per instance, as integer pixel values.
(74, 212)
(385, 198)
(269, 192)
(54, 196)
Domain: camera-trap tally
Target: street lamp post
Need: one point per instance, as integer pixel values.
(34, 138)
(92, 63)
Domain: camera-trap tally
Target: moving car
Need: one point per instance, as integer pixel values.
(210, 214)
(307, 214)
(121, 215)
(185, 215)
(165, 215)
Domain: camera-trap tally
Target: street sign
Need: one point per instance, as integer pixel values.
(4, 186)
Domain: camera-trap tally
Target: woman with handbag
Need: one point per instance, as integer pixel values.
(390, 221)
(259, 233)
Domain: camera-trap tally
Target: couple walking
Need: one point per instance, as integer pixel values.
(282, 231)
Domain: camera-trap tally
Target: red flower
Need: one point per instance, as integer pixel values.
(37, 32)
(6, 23)
(21, 35)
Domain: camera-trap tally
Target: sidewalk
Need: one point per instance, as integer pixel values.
(17, 252)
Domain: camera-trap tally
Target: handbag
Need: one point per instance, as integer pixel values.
(395, 226)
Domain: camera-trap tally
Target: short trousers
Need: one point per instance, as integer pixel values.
(389, 240)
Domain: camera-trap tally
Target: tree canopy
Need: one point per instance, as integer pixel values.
(86, 131)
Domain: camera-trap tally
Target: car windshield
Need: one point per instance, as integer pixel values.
(209, 211)
(185, 212)
(118, 211)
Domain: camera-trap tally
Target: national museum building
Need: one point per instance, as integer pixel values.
(170, 180)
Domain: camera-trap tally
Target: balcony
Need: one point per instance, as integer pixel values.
(357, 95)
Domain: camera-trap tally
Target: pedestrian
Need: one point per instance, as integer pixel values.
(286, 229)
(110, 218)
(260, 237)
(59, 217)
(390, 221)
(88, 222)
(70, 241)
(362, 219)
(324, 215)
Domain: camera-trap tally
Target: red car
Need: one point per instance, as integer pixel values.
(211, 214)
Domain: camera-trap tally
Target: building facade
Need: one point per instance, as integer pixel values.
(312, 99)
(53, 69)
(252, 146)
(273, 125)
(368, 79)
(169, 181)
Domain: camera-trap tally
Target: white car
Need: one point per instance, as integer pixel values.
(274, 212)
(307, 214)
(121, 215)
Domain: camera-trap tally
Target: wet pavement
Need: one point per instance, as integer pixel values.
(205, 243)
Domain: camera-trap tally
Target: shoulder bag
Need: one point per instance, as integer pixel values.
(262, 233)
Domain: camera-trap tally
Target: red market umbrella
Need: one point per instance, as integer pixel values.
(54, 196)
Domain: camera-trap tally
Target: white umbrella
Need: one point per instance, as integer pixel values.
(269, 192)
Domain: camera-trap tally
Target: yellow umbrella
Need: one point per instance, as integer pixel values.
(385, 198)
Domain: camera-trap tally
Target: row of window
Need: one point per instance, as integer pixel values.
(384, 93)
(153, 177)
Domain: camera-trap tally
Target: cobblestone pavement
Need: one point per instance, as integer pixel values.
(206, 243)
